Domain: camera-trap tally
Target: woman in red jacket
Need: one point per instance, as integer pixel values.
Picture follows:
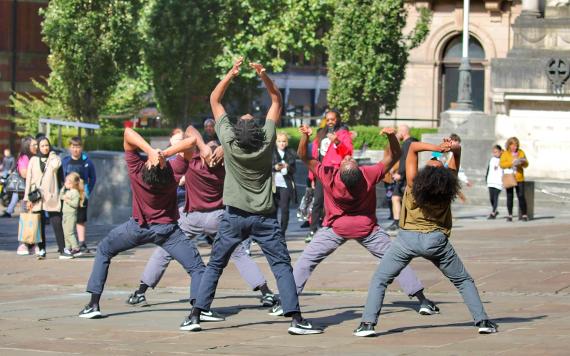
(332, 144)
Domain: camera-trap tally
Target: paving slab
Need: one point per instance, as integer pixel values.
(522, 271)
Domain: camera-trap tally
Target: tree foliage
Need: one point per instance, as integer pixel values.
(180, 43)
(92, 44)
(268, 31)
(368, 54)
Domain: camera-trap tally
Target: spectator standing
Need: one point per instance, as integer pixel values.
(332, 144)
(210, 131)
(72, 196)
(28, 149)
(494, 179)
(44, 174)
(79, 163)
(284, 176)
(514, 159)
(8, 166)
(399, 175)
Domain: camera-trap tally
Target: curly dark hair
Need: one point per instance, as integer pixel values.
(248, 135)
(351, 177)
(435, 186)
(158, 177)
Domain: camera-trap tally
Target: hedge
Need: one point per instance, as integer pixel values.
(112, 139)
(364, 134)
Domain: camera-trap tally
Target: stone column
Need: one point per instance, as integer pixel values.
(531, 8)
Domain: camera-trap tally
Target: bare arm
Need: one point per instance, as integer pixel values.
(274, 112)
(455, 160)
(302, 149)
(392, 155)
(220, 89)
(132, 141)
(412, 158)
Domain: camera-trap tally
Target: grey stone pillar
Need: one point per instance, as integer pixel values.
(531, 8)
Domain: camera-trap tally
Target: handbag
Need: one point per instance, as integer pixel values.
(509, 180)
(34, 195)
(15, 183)
(29, 229)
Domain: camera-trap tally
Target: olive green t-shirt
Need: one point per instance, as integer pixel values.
(247, 185)
(426, 219)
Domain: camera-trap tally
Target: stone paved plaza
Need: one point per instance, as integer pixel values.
(522, 271)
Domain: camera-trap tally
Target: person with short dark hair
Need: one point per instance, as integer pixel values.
(350, 206)
(80, 163)
(399, 175)
(154, 219)
(250, 210)
(425, 227)
(332, 143)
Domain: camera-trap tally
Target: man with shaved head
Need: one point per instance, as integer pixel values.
(350, 214)
(399, 176)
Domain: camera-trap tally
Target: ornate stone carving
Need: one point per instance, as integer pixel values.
(558, 72)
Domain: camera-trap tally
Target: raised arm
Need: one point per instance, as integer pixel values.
(220, 89)
(132, 141)
(455, 160)
(412, 158)
(306, 132)
(393, 153)
(274, 112)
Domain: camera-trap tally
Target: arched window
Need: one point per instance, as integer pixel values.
(449, 80)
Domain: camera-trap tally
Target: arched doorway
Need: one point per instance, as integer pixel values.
(449, 79)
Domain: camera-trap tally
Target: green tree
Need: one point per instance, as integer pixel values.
(268, 31)
(180, 43)
(368, 53)
(92, 44)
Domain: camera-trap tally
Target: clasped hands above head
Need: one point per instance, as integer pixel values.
(259, 68)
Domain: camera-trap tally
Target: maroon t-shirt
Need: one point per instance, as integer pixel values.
(204, 186)
(351, 214)
(153, 205)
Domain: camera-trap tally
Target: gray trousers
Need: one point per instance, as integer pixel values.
(326, 241)
(433, 246)
(194, 224)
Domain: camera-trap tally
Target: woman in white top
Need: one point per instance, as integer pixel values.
(495, 180)
(284, 177)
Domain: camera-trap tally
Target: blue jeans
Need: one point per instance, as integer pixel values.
(433, 246)
(12, 206)
(236, 226)
(130, 235)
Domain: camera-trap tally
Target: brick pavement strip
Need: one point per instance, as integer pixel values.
(522, 272)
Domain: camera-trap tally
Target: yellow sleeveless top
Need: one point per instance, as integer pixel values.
(424, 219)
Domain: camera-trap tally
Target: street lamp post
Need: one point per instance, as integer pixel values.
(464, 101)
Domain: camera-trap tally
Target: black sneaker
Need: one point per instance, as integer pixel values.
(268, 300)
(191, 323)
(137, 300)
(487, 327)
(393, 227)
(90, 312)
(84, 249)
(276, 310)
(211, 316)
(303, 327)
(428, 308)
(6, 215)
(491, 216)
(364, 330)
(509, 219)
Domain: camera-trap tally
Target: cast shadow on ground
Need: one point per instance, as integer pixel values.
(504, 320)
(225, 311)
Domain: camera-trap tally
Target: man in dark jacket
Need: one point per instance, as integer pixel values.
(80, 163)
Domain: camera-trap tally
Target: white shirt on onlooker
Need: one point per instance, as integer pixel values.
(279, 176)
(495, 174)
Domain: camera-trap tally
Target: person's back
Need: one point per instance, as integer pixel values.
(204, 185)
(350, 212)
(248, 174)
